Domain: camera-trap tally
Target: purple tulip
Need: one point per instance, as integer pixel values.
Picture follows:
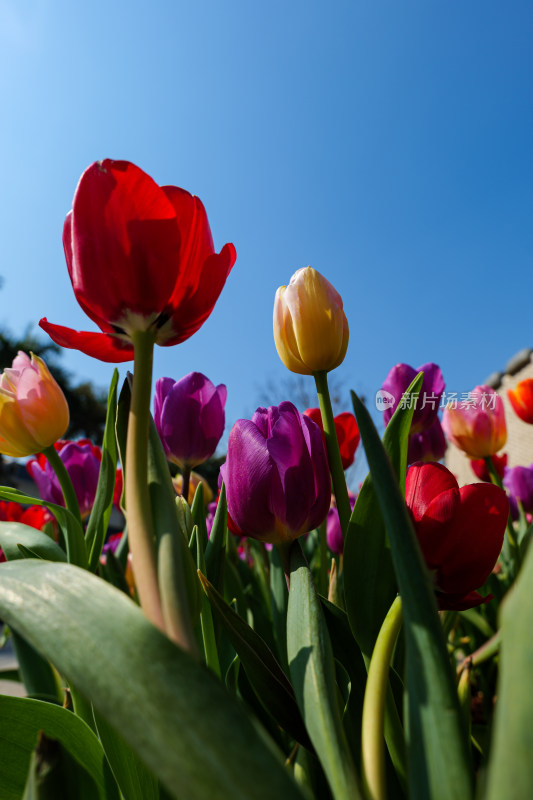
(276, 475)
(189, 417)
(430, 445)
(334, 532)
(83, 467)
(427, 405)
(519, 484)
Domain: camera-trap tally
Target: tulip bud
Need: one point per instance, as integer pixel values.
(310, 326)
(189, 417)
(276, 475)
(477, 426)
(521, 399)
(33, 410)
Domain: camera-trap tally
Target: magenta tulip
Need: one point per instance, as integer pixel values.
(189, 417)
(276, 475)
(427, 404)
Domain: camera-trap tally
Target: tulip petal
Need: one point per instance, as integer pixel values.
(193, 302)
(478, 532)
(424, 482)
(103, 346)
(288, 449)
(248, 477)
(125, 227)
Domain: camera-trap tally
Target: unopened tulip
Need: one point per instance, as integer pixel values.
(189, 417)
(519, 484)
(33, 410)
(477, 425)
(521, 399)
(426, 405)
(481, 470)
(430, 445)
(460, 531)
(276, 475)
(140, 258)
(82, 461)
(347, 433)
(310, 327)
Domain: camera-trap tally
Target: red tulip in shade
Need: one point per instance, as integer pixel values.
(140, 258)
(347, 433)
(521, 399)
(481, 471)
(460, 531)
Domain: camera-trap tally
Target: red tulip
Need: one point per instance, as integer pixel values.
(481, 471)
(346, 430)
(140, 257)
(460, 531)
(521, 399)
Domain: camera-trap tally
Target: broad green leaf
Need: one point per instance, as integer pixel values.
(510, 773)
(103, 501)
(264, 673)
(21, 719)
(136, 782)
(313, 677)
(438, 757)
(70, 527)
(172, 711)
(13, 534)
(369, 579)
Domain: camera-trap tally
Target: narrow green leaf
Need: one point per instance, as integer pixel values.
(510, 773)
(279, 602)
(21, 719)
(54, 773)
(176, 716)
(369, 579)
(14, 534)
(198, 516)
(264, 673)
(438, 757)
(70, 527)
(215, 552)
(103, 500)
(313, 677)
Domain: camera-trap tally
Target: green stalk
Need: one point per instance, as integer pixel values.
(71, 501)
(373, 722)
(323, 574)
(511, 536)
(140, 526)
(186, 477)
(334, 454)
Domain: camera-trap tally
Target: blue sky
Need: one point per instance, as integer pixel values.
(387, 143)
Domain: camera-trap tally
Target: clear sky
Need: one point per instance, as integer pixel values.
(385, 142)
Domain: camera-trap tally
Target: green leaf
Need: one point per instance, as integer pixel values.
(21, 719)
(172, 711)
(13, 534)
(438, 757)
(264, 673)
(313, 677)
(103, 501)
(135, 781)
(70, 527)
(510, 773)
(215, 552)
(369, 579)
(198, 516)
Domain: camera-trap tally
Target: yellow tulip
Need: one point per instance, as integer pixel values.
(310, 327)
(33, 410)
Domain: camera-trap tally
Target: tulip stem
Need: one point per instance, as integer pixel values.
(373, 721)
(186, 477)
(323, 574)
(334, 454)
(71, 501)
(511, 536)
(140, 525)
